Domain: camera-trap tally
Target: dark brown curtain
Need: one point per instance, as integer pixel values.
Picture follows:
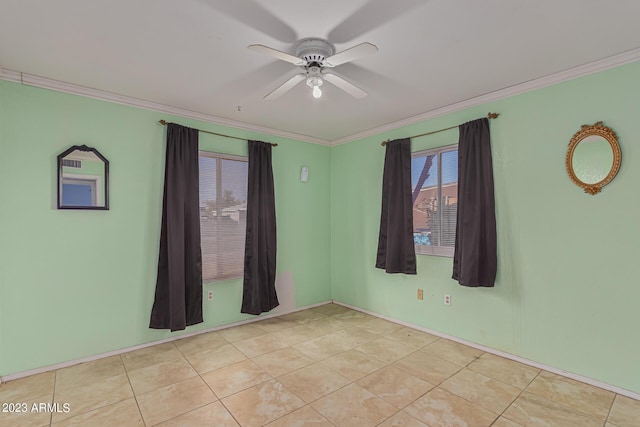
(178, 300)
(259, 289)
(396, 253)
(475, 256)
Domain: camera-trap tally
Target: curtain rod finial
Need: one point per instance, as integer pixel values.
(163, 122)
(493, 115)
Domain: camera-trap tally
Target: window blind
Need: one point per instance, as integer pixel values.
(223, 215)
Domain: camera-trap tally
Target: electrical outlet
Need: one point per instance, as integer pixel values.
(420, 294)
(447, 299)
(210, 295)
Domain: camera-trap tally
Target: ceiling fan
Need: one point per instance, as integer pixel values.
(315, 56)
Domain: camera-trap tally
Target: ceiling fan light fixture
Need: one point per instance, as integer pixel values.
(314, 77)
(314, 81)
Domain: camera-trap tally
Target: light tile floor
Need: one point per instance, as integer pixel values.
(326, 366)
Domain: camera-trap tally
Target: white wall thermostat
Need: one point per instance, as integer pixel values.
(304, 174)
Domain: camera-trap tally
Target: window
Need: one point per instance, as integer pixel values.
(434, 181)
(223, 215)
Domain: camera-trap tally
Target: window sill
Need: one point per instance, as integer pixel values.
(443, 251)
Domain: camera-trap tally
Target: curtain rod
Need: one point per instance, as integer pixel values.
(164, 123)
(489, 116)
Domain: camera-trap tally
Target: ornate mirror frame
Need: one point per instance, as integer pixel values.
(100, 184)
(608, 134)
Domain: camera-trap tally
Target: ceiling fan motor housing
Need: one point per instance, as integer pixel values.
(314, 50)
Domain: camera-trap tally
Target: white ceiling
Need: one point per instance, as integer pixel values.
(192, 54)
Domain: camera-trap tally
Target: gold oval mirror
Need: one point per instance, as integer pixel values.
(593, 157)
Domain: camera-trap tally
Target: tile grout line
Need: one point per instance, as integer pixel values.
(606, 420)
(208, 386)
(492, 379)
(566, 406)
(53, 396)
(516, 398)
(436, 386)
(387, 365)
(135, 396)
(501, 381)
(99, 407)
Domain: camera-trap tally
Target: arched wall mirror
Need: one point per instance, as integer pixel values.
(83, 179)
(593, 157)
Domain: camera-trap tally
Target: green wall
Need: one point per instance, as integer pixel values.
(566, 294)
(79, 283)
(3, 321)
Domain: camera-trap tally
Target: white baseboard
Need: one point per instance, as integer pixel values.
(48, 368)
(586, 380)
(583, 379)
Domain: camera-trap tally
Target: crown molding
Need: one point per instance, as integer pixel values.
(46, 83)
(562, 76)
(552, 79)
(11, 76)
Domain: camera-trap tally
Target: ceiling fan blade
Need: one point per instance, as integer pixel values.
(341, 83)
(255, 80)
(283, 56)
(255, 16)
(370, 78)
(285, 87)
(371, 15)
(350, 54)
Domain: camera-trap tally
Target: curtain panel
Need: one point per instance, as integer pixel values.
(475, 255)
(259, 291)
(396, 252)
(178, 297)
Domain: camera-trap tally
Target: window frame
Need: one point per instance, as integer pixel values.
(436, 250)
(219, 158)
